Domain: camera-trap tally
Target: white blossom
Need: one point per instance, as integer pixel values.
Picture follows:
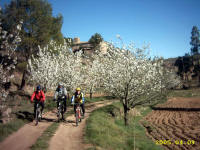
(8, 42)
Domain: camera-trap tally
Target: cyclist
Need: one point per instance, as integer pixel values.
(61, 94)
(78, 97)
(38, 97)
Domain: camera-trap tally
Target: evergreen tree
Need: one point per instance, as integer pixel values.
(96, 39)
(39, 26)
(195, 40)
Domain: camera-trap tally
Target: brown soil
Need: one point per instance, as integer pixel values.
(177, 119)
(70, 137)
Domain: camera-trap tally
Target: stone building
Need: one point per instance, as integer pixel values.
(86, 47)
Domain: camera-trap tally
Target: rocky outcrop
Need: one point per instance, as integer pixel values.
(15, 96)
(188, 68)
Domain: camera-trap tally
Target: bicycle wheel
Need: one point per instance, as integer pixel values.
(62, 113)
(79, 115)
(77, 118)
(39, 115)
(36, 117)
(59, 114)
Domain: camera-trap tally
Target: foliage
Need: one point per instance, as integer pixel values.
(96, 39)
(131, 76)
(195, 40)
(127, 74)
(92, 73)
(69, 41)
(8, 42)
(39, 26)
(49, 69)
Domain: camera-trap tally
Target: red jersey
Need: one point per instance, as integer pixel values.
(38, 95)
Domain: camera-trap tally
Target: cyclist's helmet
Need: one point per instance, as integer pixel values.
(38, 88)
(78, 89)
(60, 85)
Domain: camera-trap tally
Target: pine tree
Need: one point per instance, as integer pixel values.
(96, 39)
(195, 40)
(39, 26)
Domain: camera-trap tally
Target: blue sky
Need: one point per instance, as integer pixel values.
(165, 24)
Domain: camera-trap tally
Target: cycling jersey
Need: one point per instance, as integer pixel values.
(78, 98)
(38, 95)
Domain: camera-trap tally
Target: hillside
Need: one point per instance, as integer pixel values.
(187, 67)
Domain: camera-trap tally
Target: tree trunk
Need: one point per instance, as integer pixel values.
(90, 93)
(68, 98)
(23, 82)
(126, 115)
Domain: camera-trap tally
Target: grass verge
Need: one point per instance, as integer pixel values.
(21, 116)
(42, 141)
(193, 92)
(96, 99)
(105, 129)
(9, 128)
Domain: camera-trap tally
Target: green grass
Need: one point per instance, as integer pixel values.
(193, 92)
(24, 114)
(96, 99)
(42, 141)
(105, 128)
(21, 115)
(49, 104)
(9, 128)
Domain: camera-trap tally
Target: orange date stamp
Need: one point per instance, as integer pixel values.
(176, 142)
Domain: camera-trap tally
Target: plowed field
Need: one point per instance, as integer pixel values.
(176, 124)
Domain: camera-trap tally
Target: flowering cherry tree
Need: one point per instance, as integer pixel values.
(126, 73)
(131, 76)
(92, 73)
(51, 67)
(8, 45)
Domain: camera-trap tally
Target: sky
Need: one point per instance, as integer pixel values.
(164, 24)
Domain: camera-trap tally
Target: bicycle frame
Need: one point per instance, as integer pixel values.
(78, 113)
(38, 114)
(60, 109)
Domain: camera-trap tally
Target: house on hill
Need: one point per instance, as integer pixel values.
(87, 47)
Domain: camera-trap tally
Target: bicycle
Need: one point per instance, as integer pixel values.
(38, 114)
(78, 113)
(60, 109)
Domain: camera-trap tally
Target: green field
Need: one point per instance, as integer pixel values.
(105, 129)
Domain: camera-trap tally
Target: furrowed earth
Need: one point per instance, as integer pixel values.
(175, 124)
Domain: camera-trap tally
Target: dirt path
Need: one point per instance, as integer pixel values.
(26, 136)
(70, 137)
(177, 120)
